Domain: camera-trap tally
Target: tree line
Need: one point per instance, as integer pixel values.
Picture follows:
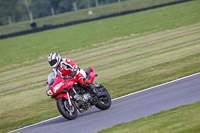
(12, 11)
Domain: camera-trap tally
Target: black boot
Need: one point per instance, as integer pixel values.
(92, 89)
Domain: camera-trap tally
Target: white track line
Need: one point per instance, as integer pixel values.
(157, 86)
(112, 100)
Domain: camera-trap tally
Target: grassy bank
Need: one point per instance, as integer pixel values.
(31, 48)
(184, 119)
(148, 48)
(82, 14)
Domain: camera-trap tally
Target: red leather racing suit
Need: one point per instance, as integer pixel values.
(67, 67)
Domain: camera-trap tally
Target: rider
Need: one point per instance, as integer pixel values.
(67, 69)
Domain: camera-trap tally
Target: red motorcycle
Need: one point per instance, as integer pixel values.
(72, 96)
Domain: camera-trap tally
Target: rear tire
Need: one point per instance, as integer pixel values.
(65, 110)
(104, 101)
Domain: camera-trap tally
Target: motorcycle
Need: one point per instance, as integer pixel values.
(72, 97)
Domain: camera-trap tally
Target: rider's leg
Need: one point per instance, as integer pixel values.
(83, 80)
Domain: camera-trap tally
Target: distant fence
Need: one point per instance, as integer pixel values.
(48, 27)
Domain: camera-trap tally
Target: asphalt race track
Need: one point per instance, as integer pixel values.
(124, 109)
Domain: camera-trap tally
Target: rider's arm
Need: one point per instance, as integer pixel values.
(74, 67)
(55, 70)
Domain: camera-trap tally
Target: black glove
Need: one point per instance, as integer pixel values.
(73, 74)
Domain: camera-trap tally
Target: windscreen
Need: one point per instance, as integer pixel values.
(51, 79)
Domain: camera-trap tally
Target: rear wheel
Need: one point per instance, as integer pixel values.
(105, 100)
(67, 111)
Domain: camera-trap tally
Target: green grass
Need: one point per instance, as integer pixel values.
(32, 47)
(152, 76)
(82, 14)
(153, 48)
(183, 119)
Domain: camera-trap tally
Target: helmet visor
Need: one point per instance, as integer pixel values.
(53, 62)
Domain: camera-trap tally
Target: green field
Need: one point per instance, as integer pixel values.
(32, 48)
(147, 48)
(82, 14)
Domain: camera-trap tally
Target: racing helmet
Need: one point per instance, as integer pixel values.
(54, 59)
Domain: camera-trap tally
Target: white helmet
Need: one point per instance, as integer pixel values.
(54, 59)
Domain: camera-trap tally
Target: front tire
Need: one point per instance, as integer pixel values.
(67, 111)
(104, 101)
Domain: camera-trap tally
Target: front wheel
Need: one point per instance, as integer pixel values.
(104, 100)
(67, 111)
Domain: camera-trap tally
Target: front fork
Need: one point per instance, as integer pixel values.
(69, 99)
(65, 95)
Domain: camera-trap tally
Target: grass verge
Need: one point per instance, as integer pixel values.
(152, 76)
(183, 119)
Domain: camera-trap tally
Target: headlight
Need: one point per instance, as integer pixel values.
(57, 87)
(49, 92)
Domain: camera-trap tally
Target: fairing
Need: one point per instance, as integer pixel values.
(54, 82)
